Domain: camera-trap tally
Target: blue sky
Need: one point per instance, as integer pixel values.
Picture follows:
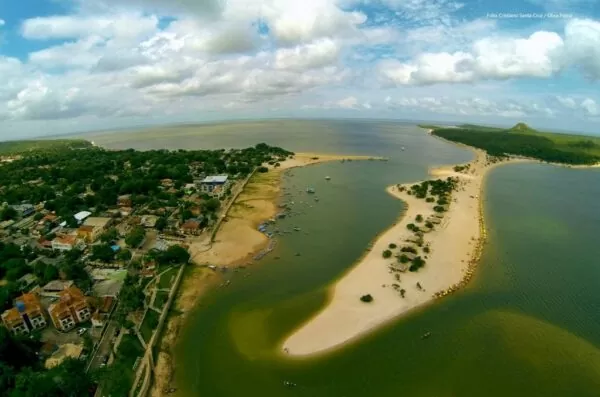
(78, 65)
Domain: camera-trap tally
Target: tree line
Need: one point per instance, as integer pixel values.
(502, 142)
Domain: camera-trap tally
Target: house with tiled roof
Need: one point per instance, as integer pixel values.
(66, 243)
(26, 316)
(72, 308)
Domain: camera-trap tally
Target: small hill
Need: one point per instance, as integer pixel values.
(521, 128)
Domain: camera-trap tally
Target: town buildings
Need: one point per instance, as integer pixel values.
(66, 243)
(214, 185)
(191, 226)
(92, 228)
(26, 316)
(72, 308)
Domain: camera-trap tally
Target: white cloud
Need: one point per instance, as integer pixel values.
(81, 53)
(582, 42)
(111, 61)
(348, 103)
(590, 107)
(475, 106)
(567, 102)
(584, 105)
(541, 55)
(68, 27)
(489, 58)
(317, 54)
(295, 22)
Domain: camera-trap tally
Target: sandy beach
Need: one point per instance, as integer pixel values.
(238, 239)
(455, 246)
(236, 242)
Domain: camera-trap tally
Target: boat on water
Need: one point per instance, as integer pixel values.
(426, 335)
(402, 148)
(327, 178)
(310, 190)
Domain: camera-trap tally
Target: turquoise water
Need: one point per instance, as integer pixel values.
(527, 325)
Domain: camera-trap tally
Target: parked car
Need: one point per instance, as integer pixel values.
(81, 331)
(104, 361)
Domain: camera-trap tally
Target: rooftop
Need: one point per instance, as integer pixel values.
(215, 179)
(57, 285)
(107, 288)
(28, 279)
(70, 296)
(191, 224)
(67, 239)
(86, 228)
(82, 215)
(96, 221)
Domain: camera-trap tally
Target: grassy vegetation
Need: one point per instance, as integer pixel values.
(161, 299)
(167, 278)
(129, 344)
(20, 147)
(523, 140)
(429, 126)
(117, 378)
(149, 324)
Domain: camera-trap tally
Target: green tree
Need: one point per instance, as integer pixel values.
(419, 218)
(211, 205)
(175, 254)
(366, 298)
(8, 213)
(50, 273)
(161, 224)
(110, 235)
(15, 268)
(186, 214)
(103, 253)
(114, 379)
(387, 254)
(124, 255)
(135, 237)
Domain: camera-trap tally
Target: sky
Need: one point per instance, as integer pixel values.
(79, 65)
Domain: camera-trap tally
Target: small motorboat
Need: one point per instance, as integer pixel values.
(402, 148)
(426, 335)
(327, 178)
(310, 190)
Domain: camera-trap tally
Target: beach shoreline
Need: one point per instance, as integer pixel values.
(455, 248)
(236, 243)
(460, 238)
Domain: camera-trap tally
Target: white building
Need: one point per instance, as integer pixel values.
(214, 185)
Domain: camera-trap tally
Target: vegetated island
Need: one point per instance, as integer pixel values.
(431, 251)
(523, 141)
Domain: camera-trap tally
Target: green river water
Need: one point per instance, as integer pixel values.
(527, 325)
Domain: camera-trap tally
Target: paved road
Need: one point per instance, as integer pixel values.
(105, 345)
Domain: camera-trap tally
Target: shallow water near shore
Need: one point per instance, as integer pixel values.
(527, 325)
